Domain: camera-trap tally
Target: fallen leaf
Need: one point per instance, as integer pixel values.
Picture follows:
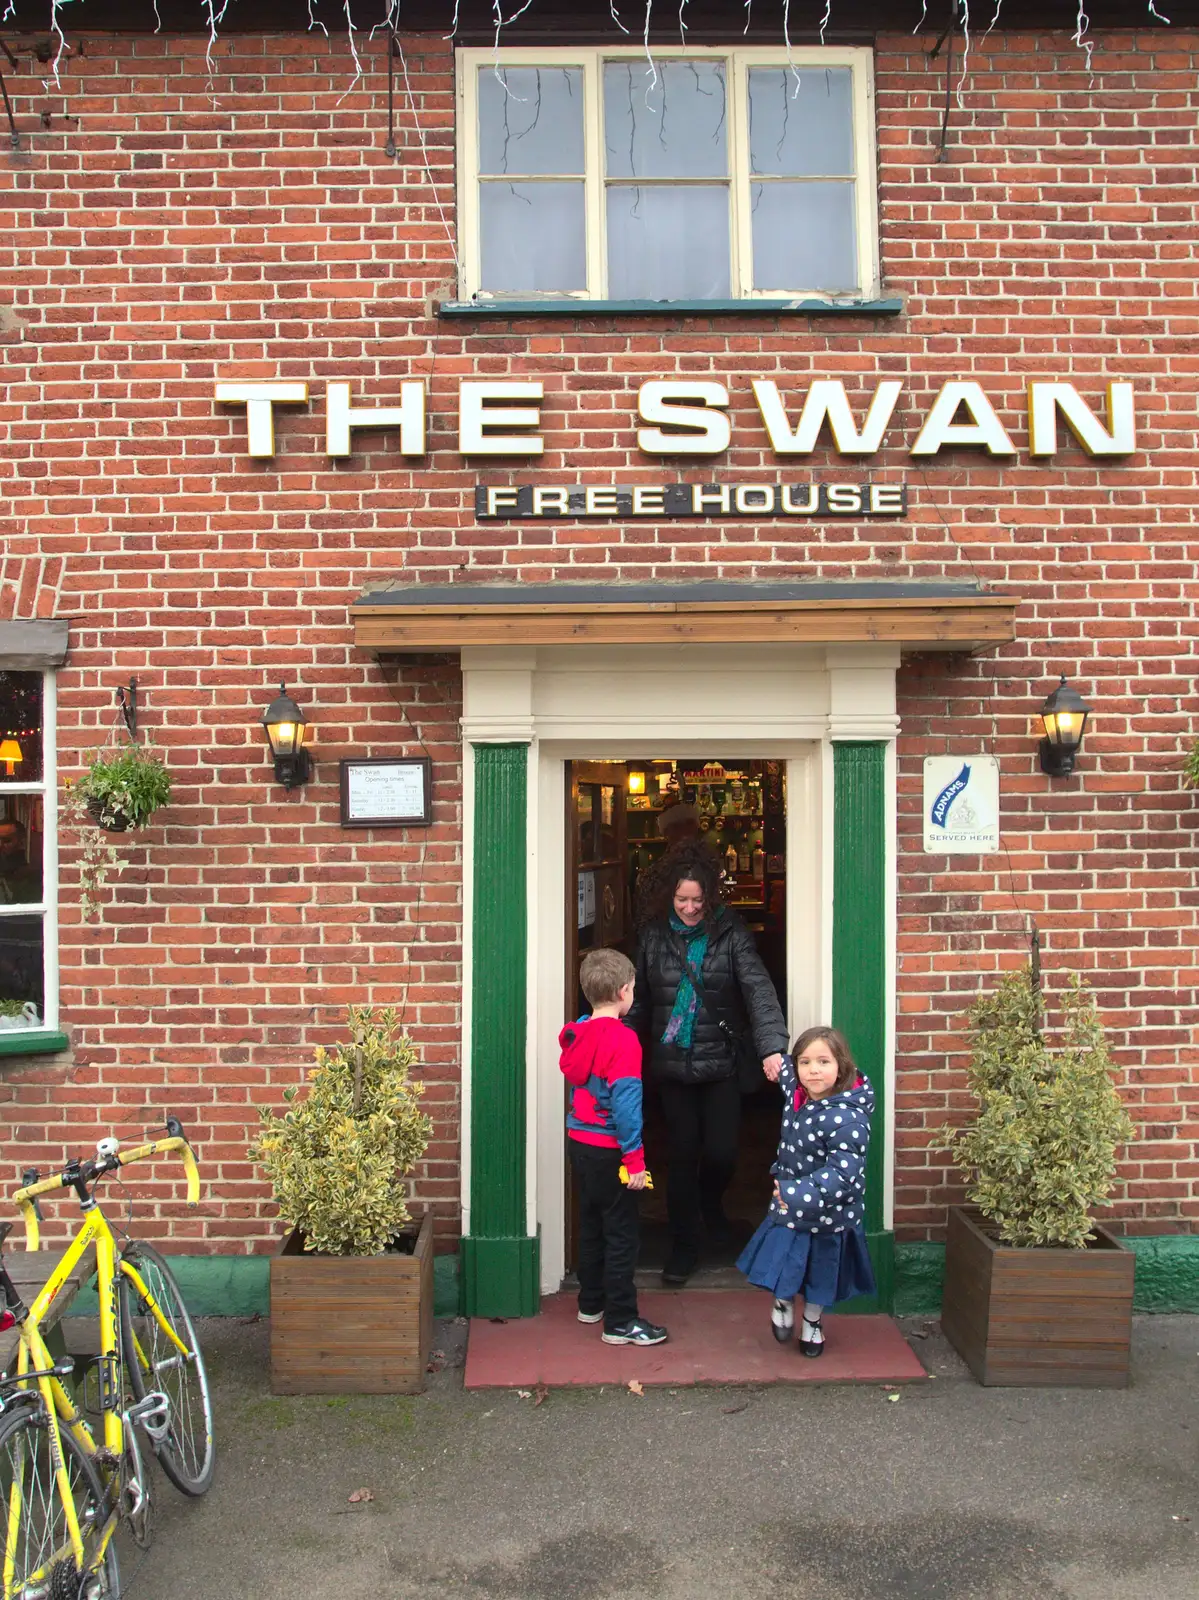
(540, 1394)
(360, 1496)
(523, 1394)
(1180, 1519)
(635, 1387)
(497, 1319)
(731, 1411)
(917, 1334)
(892, 1398)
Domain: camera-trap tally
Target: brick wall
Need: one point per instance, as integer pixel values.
(170, 237)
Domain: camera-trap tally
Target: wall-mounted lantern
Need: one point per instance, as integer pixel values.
(1065, 716)
(636, 782)
(285, 728)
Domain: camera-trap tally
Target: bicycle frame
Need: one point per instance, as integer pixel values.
(34, 1359)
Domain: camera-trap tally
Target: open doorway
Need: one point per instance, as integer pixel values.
(613, 834)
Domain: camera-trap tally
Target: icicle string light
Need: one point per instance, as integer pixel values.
(682, 24)
(60, 36)
(454, 23)
(612, 12)
(923, 18)
(353, 32)
(1154, 12)
(964, 11)
(749, 14)
(1080, 35)
(824, 21)
(314, 21)
(994, 19)
(418, 124)
(649, 56)
(787, 42)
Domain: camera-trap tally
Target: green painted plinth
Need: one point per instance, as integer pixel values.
(501, 1277)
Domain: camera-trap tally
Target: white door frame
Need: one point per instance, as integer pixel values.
(786, 702)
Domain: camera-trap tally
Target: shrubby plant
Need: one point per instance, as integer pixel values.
(121, 788)
(337, 1156)
(1041, 1149)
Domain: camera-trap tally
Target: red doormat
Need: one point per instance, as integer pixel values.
(716, 1336)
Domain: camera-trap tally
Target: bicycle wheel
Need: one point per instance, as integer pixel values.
(34, 1531)
(154, 1362)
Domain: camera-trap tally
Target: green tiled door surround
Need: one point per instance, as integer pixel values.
(860, 996)
(500, 1267)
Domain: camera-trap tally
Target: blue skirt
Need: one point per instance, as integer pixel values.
(823, 1267)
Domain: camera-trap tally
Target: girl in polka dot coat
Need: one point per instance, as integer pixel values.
(811, 1245)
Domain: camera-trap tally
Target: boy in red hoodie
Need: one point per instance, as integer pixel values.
(601, 1060)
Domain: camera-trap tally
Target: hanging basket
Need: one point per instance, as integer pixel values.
(115, 822)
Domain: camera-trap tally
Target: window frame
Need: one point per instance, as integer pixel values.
(590, 59)
(17, 1039)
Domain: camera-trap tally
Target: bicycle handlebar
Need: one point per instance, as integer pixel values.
(79, 1173)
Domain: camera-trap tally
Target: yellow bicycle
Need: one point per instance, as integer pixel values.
(62, 1494)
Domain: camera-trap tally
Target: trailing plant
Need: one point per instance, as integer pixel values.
(120, 789)
(1040, 1151)
(337, 1156)
(1190, 771)
(124, 787)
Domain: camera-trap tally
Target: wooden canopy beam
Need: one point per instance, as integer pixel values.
(404, 620)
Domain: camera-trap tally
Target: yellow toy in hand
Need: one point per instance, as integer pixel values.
(624, 1176)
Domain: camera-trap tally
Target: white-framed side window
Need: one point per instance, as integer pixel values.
(28, 854)
(708, 174)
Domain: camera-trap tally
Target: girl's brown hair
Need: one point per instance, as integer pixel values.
(847, 1071)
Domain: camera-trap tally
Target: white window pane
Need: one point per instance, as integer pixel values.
(22, 838)
(804, 236)
(21, 973)
(533, 237)
(20, 727)
(668, 244)
(676, 128)
(801, 133)
(531, 121)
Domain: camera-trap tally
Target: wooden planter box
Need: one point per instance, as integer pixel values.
(351, 1324)
(1037, 1317)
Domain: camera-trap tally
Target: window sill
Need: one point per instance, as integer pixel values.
(507, 309)
(34, 1042)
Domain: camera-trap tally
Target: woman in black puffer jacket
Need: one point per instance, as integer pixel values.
(690, 1055)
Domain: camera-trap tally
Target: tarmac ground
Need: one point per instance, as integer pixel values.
(941, 1491)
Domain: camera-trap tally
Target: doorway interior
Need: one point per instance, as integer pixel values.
(612, 837)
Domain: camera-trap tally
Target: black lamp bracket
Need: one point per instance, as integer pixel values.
(1056, 762)
(127, 701)
(293, 771)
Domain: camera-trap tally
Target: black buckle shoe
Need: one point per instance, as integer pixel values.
(782, 1321)
(811, 1339)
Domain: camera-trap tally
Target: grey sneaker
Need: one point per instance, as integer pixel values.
(638, 1332)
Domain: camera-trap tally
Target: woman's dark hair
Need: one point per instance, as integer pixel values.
(847, 1071)
(689, 860)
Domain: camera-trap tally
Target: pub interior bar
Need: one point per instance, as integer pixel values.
(530, 429)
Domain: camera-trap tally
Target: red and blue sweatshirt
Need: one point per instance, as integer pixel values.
(601, 1060)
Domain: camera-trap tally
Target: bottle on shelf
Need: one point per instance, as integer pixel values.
(758, 862)
(730, 858)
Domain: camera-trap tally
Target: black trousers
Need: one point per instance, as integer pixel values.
(609, 1234)
(702, 1123)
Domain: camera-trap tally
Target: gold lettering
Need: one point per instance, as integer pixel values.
(763, 492)
(260, 399)
(690, 405)
(409, 417)
(703, 496)
(648, 502)
(500, 500)
(826, 399)
(477, 417)
(886, 498)
(791, 505)
(551, 500)
(1045, 400)
(844, 497)
(984, 427)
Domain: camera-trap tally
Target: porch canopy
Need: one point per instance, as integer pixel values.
(402, 617)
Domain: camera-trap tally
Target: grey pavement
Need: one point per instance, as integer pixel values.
(950, 1492)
